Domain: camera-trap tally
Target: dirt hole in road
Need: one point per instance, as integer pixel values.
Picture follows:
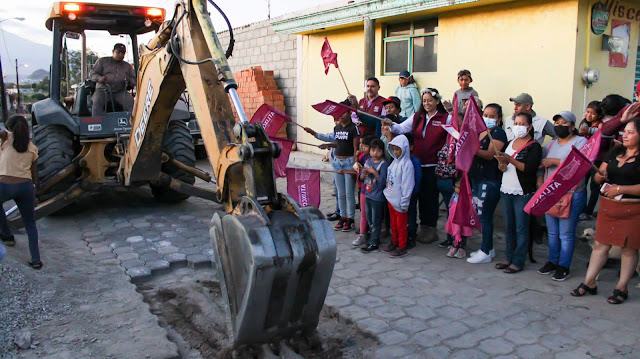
(191, 307)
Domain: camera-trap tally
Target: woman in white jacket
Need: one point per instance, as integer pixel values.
(400, 183)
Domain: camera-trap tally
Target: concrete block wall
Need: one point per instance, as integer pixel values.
(258, 45)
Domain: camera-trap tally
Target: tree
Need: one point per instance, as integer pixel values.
(75, 65)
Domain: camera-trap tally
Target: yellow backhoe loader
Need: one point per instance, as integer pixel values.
(275, 259)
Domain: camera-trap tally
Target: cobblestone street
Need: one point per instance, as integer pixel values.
(424, 305)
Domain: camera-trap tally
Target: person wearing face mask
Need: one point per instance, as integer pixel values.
(541, 126)
(485, 180)
(519, 165)
(562, 231)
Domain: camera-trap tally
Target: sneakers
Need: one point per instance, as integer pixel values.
(333, 217)
(347, 226)
(584, 217)
(547, 268)
(360, 240)
(399, 253)
(492, 253)
(460, 253)
(390, 248)
(452, 251)
(561, 274)
(340, 224)
(446, 243)
(411, 242)
(369, 248)
(480, 257)
(430, 235)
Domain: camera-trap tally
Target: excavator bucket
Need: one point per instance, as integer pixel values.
(274, 269)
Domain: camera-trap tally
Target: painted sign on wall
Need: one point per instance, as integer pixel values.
(619, 43)
(599, 18)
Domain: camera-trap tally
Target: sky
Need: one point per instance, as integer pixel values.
(239, 12)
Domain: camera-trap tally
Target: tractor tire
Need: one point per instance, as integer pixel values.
(56, 151)
(177, 143)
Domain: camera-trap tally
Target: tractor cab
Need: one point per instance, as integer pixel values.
(71, 21)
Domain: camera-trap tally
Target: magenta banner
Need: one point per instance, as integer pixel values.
(303, 186)
(328, 56)
(465, 214)
(570, 172)
(331, 108)
(271, 119)
(592, 147)
(280, 163)
(469, 142)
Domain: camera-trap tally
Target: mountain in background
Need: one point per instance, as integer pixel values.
(37, 56)
(38, 75)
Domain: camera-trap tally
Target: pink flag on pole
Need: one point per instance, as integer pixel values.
(469, 142)
(328, 56)
(303, 185)
(570, 172)
(271, 119)
(280, 163)
(465, 214)
(592, 147)
(331, 108)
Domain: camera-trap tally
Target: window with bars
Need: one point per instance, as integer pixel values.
(411, 46)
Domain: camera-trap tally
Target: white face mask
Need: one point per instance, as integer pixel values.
(520, 131)
(490, 122)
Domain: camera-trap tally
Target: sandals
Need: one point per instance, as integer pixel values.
(511, 270)
(501, 266)
(9, 241)
(586, 289)
(36, 265)
(614, 298)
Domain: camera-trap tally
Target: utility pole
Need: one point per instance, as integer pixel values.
(18, 87)
(5, 109)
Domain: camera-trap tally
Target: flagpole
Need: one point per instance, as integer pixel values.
(370, 115)
(306, 144)
(491, 139)
(343, 81)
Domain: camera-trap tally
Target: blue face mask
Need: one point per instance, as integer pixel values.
(490, 122)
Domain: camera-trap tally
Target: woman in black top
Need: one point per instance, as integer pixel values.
(519, 165)
(619, 214)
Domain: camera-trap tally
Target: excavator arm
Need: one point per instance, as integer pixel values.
(274, 258)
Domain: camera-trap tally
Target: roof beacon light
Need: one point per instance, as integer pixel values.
(153, 11)
(71, 7)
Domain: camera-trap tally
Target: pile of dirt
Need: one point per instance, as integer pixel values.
(191, 307)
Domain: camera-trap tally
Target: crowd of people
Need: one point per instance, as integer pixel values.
(396, 169)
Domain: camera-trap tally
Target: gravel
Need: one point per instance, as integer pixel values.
(23, 306)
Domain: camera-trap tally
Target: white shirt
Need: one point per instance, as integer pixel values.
(539, 132)
(510, 181)
(407, 125)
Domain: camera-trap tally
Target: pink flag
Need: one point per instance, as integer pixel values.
(570, 172)
(280, 163)
(271, 119)
(469, 142)
(303, 186)
(465, 214)
(592, 147)
(328, 56)
(331, 108)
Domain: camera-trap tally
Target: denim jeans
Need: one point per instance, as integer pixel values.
(413, 216)
(486, 195)
(345, 186)
(3, 252)
(335, 188)
(429, 198)
(516, 227)
(375, 212)
(562, 232)
(24, 196)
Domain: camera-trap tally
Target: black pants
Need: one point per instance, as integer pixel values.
(594, 188)
(24, 196)
(429, 197)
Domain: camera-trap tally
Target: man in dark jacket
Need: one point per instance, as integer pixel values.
(112, 72)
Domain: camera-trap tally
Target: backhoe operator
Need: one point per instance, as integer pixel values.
(114, 72)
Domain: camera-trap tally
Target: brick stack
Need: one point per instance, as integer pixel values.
(257, 87)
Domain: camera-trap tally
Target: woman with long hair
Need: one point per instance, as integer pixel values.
(18, 180)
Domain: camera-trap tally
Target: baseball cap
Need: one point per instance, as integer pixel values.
(465, 73)
(404, 74)
(392, 99)
(120, 47)
(522, 98)
(566, 115)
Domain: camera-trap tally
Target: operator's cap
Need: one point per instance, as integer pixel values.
(392, 99)
(120, 47)
(522, 98)
(566, 115)
(404, 74)
(465, 73)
